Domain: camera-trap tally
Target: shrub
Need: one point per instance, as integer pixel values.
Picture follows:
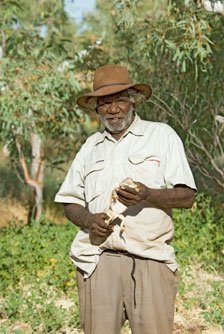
(199, 234)
(37, 278)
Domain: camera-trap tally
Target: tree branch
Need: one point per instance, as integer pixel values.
(22, 160)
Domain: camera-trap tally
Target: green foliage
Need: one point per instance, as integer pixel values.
(214, 298)
(199, 235)
(198, 242)
(36, 276)
(38, 97)
(38, 88)
(8, 181)
(37, 249)
(178, 49)
(22, 24)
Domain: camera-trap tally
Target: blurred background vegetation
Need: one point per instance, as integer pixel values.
(46, 61)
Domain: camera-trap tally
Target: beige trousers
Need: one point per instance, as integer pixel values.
(113, 294)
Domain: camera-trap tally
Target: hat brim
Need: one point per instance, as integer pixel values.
(82, 101)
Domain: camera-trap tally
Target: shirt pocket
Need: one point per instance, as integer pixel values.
(146, 169)
(93, 179)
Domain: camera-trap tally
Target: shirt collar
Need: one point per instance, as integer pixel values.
(135, 128)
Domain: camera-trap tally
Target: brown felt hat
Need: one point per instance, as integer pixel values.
(110, 79)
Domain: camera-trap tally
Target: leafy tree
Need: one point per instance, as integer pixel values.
(38, 86)
(178, 48)
(175, 46)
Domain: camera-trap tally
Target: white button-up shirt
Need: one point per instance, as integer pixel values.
(148, 152)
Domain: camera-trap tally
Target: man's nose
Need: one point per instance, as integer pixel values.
(113, 108)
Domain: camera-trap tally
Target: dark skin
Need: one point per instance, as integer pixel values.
(180, 196)
(81, 217)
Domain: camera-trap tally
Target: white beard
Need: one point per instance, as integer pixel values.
(124, 123)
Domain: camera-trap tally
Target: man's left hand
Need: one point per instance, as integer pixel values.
(132, 196)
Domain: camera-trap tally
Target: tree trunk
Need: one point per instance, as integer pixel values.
(37, 174)
(33, 177)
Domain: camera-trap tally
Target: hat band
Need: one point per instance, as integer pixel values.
(114, 84)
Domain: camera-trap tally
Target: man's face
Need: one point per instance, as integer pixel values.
(116, 112)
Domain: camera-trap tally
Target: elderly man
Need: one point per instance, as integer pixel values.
(128, 270)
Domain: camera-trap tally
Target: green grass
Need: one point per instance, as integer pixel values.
(214, 298)
(37, 278)
(36, 274)
(199, 235)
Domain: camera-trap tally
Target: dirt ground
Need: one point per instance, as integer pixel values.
(11, 211)
(187, 320)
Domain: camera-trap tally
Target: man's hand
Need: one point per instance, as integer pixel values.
(81, 217)
(180, 196)
(97, 225)
(132, 196)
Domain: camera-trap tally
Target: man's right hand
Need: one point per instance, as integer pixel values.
(97, 225)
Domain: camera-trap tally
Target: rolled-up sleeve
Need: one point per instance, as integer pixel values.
(72, 189)
(177, 169)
